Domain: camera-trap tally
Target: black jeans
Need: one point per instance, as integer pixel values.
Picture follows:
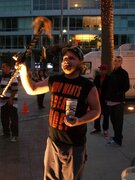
(105, 113)
(9, 119)
(117, 116)
(40, 100)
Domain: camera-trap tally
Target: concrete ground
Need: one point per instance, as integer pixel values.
(24, 160)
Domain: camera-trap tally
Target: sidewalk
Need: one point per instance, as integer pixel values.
(24, 160)
(107, 163)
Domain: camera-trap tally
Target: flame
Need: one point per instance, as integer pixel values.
(43, 24)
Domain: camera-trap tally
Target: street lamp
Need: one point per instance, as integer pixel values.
(76, 5)
(64, 35)
(64, 31)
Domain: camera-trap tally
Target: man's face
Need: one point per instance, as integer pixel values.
(5, 68)
(71, 63)
(117, 62)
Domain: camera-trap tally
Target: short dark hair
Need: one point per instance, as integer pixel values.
(75, 49)
(119, 57)
(8, 63)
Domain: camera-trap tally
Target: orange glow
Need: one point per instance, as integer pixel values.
(84, 37)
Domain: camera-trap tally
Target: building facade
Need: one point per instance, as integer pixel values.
(76, 21)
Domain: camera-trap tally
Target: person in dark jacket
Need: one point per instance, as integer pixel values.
(40, 97)
(9, 104)
(38, 76)
(100, 82)
(118, 85)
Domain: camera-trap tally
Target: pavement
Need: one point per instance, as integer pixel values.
(23, 160)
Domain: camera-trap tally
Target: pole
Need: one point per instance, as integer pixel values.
(61, 34)
(61, 23)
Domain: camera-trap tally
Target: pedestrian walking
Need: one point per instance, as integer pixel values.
(118, 85)
(8, 103)
(65, 153)
(100, 81)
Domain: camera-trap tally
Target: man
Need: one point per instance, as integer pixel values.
(100, 81)
(8, 103)
(118, 85)
(66, 145)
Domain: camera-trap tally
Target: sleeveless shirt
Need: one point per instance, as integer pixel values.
(62, 88)
(12, 88)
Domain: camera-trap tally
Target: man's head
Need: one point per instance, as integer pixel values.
(76, 50)
(117, 62)
(72, 59)
(6, 66)
(103, 69)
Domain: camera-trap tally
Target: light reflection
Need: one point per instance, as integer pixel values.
(131, 108)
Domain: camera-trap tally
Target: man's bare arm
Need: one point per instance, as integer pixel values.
(32, 88)
(93, 112)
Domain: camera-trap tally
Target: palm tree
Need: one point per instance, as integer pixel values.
(107, 21)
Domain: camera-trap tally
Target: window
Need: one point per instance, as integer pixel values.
(123, 22)
(84, 4)
(49, 4)
(131, 38)
(56, 23)
(9, 24)
(76, 23)
(116, 41)
(27, 40)
(87, 66)
(117, 22)
(131, 24)
(2, 42)
(92, 23)
(123, 39)
(8, 41)
(14, 41)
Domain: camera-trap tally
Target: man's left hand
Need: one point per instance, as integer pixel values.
(71, 121)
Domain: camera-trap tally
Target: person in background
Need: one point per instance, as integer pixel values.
(118, 85)
(9, 104)
(35, 75)
(40, 97)
(100, 81)
(65, 153)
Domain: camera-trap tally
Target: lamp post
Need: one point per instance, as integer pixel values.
(64, 35)
(61, 23)
(61, 33)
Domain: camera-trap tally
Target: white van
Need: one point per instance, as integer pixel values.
(92, 61)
